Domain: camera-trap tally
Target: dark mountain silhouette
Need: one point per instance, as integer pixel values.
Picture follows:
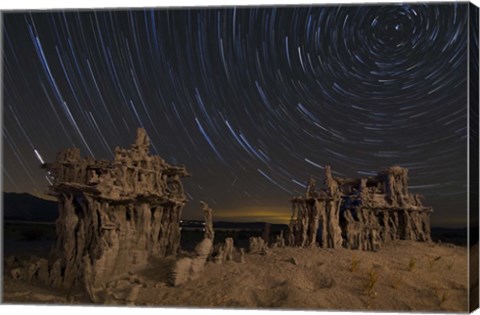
(25, 207)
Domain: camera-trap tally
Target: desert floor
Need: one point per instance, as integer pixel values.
(402, 275)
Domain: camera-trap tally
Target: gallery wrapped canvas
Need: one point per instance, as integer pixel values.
(308, 157)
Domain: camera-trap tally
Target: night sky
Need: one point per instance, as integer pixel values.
(251, 100)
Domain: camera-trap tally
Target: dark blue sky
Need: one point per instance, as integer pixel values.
(251, 100)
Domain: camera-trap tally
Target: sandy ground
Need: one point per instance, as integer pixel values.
(402, 276)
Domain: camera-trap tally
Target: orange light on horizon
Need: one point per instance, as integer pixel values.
(279, 215)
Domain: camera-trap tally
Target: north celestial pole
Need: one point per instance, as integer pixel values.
(251, 100)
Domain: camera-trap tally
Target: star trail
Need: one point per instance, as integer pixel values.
(252, 100)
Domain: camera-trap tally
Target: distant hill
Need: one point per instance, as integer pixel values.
(233, 225)
(457, 236)
(25, 207)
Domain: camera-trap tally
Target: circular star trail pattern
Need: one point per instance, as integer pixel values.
(251, 100)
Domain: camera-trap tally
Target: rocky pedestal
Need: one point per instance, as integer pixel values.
(114, 215)
(359, 213)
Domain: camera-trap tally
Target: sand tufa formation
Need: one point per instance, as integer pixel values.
(114, 215)
(359, 213)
